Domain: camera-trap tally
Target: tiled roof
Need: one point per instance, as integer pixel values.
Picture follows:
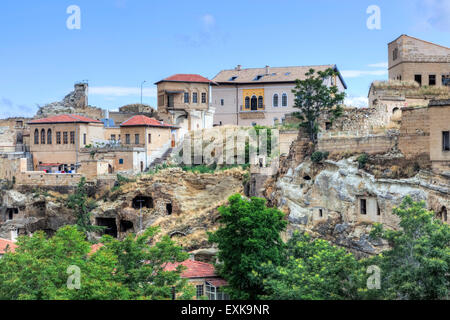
(218, 282)
(186, 78)
(65, 118)
(7, 243)
(141, 120)
(95, 247)
(275, 74)
(195, 269)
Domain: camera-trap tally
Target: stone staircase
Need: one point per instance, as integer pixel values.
(162, 159)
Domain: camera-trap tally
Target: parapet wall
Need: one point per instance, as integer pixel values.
(414, 137)
(42, 179)
(367, 144)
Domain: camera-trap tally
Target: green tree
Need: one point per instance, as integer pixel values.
(313, 269)
(141, 267)
(83, 205)
(249, 236)
(418, 264)
(37, 270)
(314, 98)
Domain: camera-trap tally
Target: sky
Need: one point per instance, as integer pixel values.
(118, 44)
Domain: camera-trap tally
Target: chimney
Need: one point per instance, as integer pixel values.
(267, 70)
(238, 67)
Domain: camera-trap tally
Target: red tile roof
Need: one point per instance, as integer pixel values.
(65, 118)
(186, 78)
(195, 269)
(217, 282)
(7, 244)
(95, 247)
(144, 121)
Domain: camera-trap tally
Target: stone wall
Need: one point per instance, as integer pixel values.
(414, 137)
(367, 144)
(41, 179)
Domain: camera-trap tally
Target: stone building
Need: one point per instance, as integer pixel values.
(412, 59)
(260, 96)
(183, 100)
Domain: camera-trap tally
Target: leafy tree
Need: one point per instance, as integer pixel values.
(141, 267)
(418, 264)
(312, 270)
(82, 205)
(249, 237)
(314, 99)
(37, 270)
(132, 269)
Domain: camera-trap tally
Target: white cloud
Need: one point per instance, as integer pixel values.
(9, 109)
(433, 14)
(361, 73)
(379, 65)
(356, 101)
(122, 91)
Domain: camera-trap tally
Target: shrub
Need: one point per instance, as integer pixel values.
(318, 156)
(362, 160)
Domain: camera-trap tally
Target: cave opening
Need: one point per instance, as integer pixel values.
(125, 225)
(169, 208)
(109, 224)
(10, 212)
(144, 201)
(307, 178)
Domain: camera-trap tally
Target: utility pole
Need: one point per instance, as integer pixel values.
(142, 84)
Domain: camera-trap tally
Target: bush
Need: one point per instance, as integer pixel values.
(362, 160)
(318, 156)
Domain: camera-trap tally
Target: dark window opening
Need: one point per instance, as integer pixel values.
(120, 161)
(125, 225)
(194, 97)
(199, 291)
(136, 138)
(169, 208)
(186, 97)
(222, 102)
(395, 54)
(49, 136)
(446, 80)
(275, 100)
(418, 79)
(284, 100)
(307, 178)
(378, 210)
(65, 139)
(72, 137)
(109, 224)
(363, 206)
(142, 202)
(203, 97)
(254, 103)
(320, 212)
(446, 140)
(36, 136)
(84, 138)
(43, 136)
(432, 79)
(260, 102)
(327, 125)
(11, 212)
(127, 138)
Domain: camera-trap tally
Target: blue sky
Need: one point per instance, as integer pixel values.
(124, 42)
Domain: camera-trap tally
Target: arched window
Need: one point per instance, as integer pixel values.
(275, 100)
(260, 102)
(36, 136)
(43, 136)
(247, 102)
(284, 100)
(49, 136)
(254, 103)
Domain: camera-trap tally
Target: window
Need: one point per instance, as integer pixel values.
(260, 102)
(363, 206)
(127, 138)
(395, 54)
(275, 121)
(36, 136)
(284, 100)
(19, 124)
(113, 137)
(418, 79)
(194, 97)
(254, 103)
(258, 77)
(49, 136)
(275, 100)
(247, 102)
(446, 140)
(43, 136)
(327, 125)
(320, 213)
(149, 138)
(186, 97)
(58, 137)
(446, 80)
(84, 138)
(120, 161)
(72, 137)
(65, 140)
(136, 139)
(214, 293)
(203, 97)
(232, 78)
(432, 79)
(199, 291)
(222, 102)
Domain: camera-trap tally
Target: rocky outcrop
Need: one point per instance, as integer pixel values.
(339, 202)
